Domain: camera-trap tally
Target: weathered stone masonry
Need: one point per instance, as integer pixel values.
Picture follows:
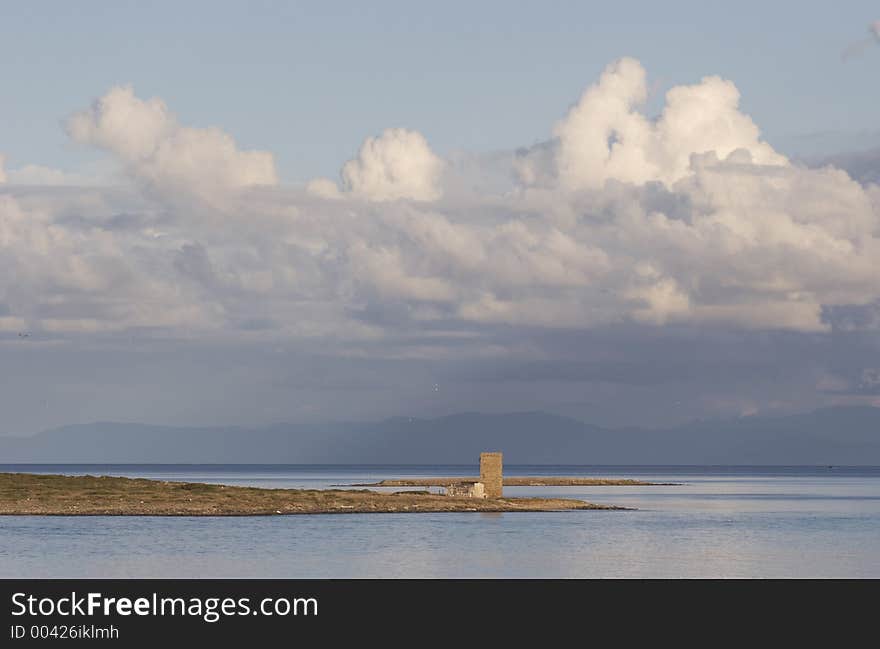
(491, 474)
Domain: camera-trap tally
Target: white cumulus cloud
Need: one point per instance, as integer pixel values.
(606, 137)
(398, 164)
(158, 151)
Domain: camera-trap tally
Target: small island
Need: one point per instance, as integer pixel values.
(60, 495)
(492, 480)
(518, 481)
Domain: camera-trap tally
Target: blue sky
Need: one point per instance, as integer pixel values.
(309, 80)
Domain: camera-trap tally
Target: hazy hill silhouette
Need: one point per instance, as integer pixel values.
(844, 435)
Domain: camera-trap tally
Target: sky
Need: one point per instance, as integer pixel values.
(310, 80)
(248, 213)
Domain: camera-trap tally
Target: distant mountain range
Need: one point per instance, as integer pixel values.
(843, 435)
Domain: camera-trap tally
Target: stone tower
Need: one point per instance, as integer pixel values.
(490, 474)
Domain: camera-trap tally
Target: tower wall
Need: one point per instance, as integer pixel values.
(491, 474)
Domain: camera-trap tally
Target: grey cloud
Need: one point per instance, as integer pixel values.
(864, 383)
(635, 375)
(191, 260)
(626, 372)
(851, 317)
(863, 166)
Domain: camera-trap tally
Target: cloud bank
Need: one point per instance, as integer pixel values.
(618, 219)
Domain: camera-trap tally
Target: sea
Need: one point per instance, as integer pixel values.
(715, 522)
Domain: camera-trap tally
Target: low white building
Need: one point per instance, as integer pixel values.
(466, 489)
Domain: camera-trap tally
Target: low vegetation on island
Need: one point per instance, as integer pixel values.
(32, 494)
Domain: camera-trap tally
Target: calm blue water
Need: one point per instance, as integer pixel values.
(720, 522)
